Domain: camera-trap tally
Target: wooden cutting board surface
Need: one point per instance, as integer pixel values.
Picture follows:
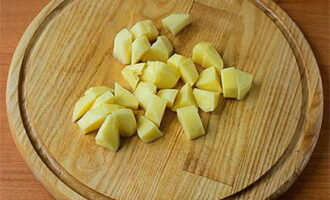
(259, 144)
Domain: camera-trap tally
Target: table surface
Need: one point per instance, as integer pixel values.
(16, 180)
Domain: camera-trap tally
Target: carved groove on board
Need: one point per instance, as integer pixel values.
(88, 192)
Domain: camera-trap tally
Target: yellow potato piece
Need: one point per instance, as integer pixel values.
(123, 46)
(184, 98)
(155, 109)
(188, 71)
(145, 28)
(206, 55)
(94, 118)
(236, 83)
(186, 67)
(127, 122)
(96, 91)
(175, 60)
(191, 122)
(167, 43)
(147, 130)
(169, 95)
(159, 51)
(244, 83)
(209, 80)
(108, 135)
(106, 97)
(125, 98)
(176, 22)
(206, 100)
(199, 51)
(160, 74)
(229, 82)
(82, 106)
(140, 47)
(142, 92)
(132, 73)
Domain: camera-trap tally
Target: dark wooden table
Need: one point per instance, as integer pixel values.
(16, 180)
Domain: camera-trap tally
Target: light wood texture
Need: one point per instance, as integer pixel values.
(190, 163)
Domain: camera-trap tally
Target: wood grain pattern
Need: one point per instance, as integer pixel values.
(33, 104)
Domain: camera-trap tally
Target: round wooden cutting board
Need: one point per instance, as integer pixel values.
(253, 149)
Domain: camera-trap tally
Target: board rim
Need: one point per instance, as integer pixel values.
(18, 130)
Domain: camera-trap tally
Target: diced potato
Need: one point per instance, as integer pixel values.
(94, 118)
(125, 98)
(96, 91)
(142, 92)
(191, 122)
(167, 43)
(140, 47)
(176, 22)
(244, 83)
(184, 98)
(145, 28)
(199, 51)
(159, 51)
(169, 95)
(108, 135)
(206, 100)
(155, 109)
(132, 73)
(123, 46)
(188, 71)
(106, 97)
(186, 67)
(147, 130)
(127, 122)
(160, 74)
(176, 60)
(209, 80)
(229, 82)
(206, 55)
(82, 106)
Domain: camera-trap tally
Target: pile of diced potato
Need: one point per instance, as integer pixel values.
(153, 71)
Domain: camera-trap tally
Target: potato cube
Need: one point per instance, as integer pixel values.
(191, 122)
(142, 92)
(184, 98)
(206, 100)
(186, 67)
(160, 74)
(155, 109)
(94, 118)
(122, 49)
(108, 135)
(176, 22)
(82, 106)
(229, 82)
(188, 71)
(244, 83)
(106, 97)
(96, 91)
(169, 95)
(145, 28)
(209, 80)
(175, 60)
(147, 130)
(132, 73)
(125, 98)
(167, 43)
(206, 55)
(126, 121)
(140, 47)
(159, 51)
